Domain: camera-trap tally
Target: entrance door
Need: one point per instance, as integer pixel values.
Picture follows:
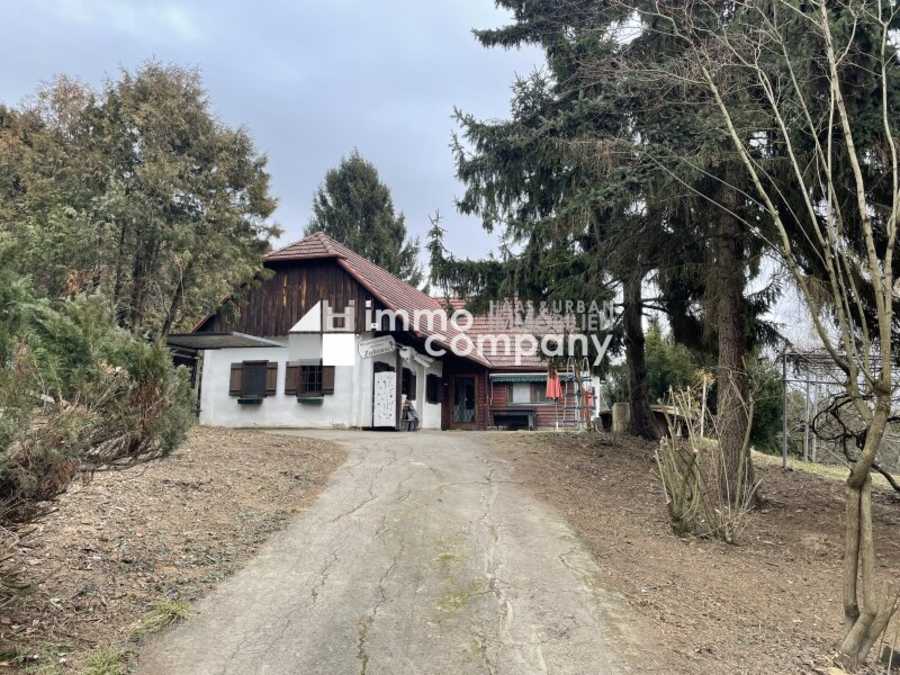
(464, 399)
(384, 405)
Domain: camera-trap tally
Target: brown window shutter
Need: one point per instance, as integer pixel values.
(292, 377)
(234, 381)
(327, 379)
(271, 378)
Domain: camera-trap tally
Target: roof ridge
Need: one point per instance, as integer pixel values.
(327, 241)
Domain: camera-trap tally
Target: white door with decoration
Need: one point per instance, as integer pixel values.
(384, 408)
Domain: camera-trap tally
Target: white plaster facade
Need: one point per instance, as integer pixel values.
(349, 406)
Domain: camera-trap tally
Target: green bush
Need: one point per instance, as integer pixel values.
(78, 394)
(673, 365)
(669, 364)
(768, 401)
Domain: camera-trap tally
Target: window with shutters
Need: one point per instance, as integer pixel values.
(253, 380)
(309, 380)
(432, 389)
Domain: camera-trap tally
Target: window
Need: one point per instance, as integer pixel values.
(539, 393)
(308, 380)
(521, 392)
(528, 392)
(408, 384)
(251, 381)
(432, 389)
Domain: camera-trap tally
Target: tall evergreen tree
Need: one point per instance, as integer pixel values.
(354, 207)
(580, 164)
(137, 192)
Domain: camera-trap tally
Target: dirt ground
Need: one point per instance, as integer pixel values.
(771, 604)
(171, 529)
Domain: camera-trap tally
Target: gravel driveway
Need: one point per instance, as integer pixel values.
(421, 556)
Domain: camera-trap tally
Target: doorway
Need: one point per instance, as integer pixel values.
(464, 399)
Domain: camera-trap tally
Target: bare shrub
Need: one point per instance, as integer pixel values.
(692, 471)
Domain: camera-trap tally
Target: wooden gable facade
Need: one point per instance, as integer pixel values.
(271, 306)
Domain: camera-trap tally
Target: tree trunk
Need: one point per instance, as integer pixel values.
(119, 282)
(732, 409)
(177, 299)
(142, 272)
(641, 423)
(867, 611)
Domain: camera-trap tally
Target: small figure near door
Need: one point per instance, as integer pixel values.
(409, 417)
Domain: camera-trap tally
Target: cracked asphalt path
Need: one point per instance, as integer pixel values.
(421, 556)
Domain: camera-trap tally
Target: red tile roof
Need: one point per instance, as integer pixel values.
(394, 293)
(318, 245)
(505, 319)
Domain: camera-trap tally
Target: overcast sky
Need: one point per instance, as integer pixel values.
(310, 80)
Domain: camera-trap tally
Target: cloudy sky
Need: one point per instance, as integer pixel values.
(310, 79)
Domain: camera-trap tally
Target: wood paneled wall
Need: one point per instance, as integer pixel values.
(272, 306)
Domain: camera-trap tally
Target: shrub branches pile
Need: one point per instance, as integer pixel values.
(77, 395)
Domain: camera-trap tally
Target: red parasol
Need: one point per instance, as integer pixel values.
(554, 390)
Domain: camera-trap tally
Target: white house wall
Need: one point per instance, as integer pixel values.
(362, 391)
(311, 322)
(349, 406)
(220, 409)
(304, 346)
(339, 349)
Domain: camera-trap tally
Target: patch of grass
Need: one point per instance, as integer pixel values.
(44, 669)
(48, 660)
(163, 614)
(827, 471)
(105, 661)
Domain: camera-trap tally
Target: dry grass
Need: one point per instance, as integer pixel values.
(106, 661)
(770, 604)
(163, 614)
(827, 471)
(124, 554)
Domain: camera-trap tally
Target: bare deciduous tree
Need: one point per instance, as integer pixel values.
(777, 75)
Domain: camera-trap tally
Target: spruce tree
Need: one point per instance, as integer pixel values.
(354, 207)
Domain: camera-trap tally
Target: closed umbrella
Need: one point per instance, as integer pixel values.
(554, 390)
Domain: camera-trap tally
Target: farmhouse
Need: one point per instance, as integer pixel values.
(329, 339)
